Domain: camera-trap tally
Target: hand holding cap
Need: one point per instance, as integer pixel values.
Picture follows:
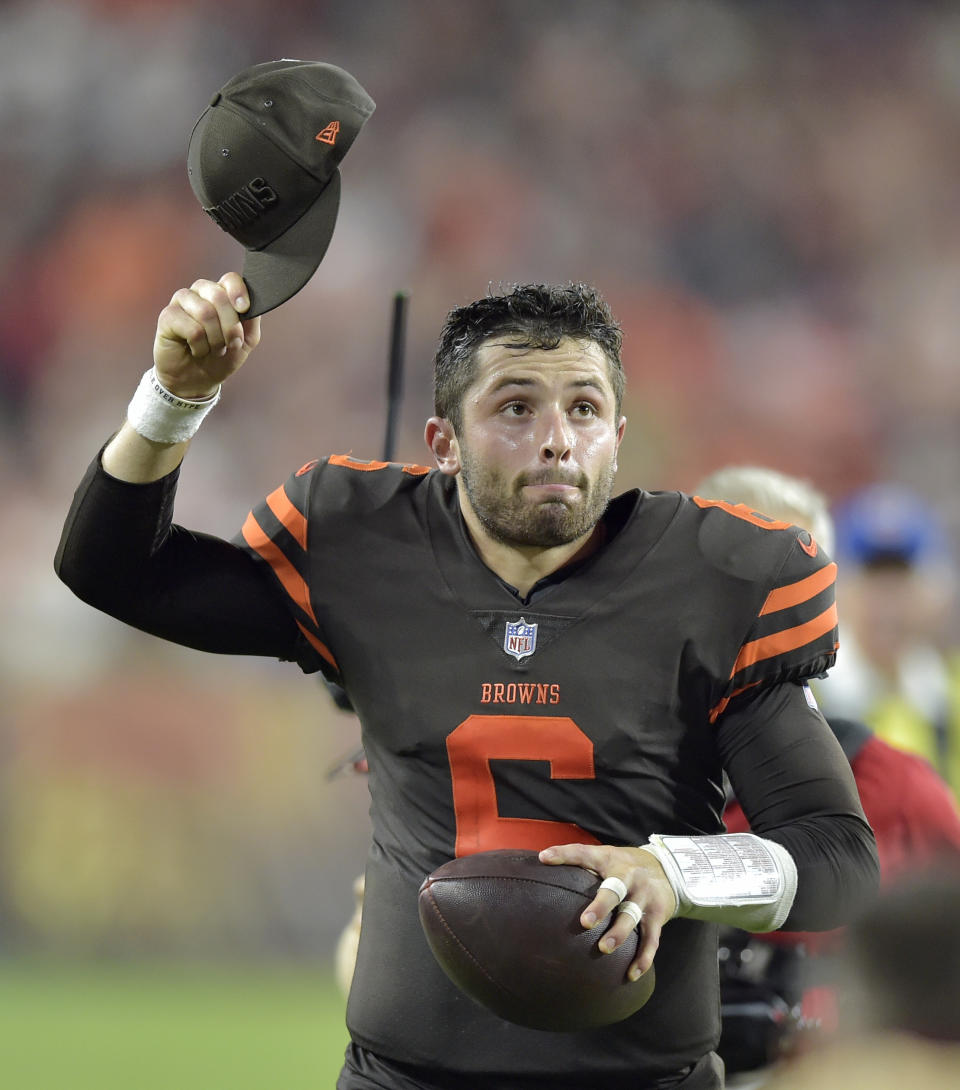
(264, 160)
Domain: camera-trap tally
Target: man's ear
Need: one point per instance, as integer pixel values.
(442, 441)
(621, 428)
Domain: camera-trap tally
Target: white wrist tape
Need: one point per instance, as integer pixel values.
(157, 414)
(738, 879)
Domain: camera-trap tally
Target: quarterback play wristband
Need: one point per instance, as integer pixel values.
(157, 414)
(738, 879)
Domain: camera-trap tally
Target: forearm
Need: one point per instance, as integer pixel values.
(157, 431)
(739, 879)
(836, 858)
(131, 457)
(119, 549)
(797, 790)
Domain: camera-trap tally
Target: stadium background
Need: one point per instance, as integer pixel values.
(767, 194)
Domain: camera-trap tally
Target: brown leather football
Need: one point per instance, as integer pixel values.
(506, 929)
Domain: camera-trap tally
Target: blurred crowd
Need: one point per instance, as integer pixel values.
(766, 192)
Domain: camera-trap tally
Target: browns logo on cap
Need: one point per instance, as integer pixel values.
(264, 163)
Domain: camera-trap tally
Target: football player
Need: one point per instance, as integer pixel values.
(535, 662)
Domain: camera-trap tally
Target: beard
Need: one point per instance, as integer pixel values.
(513, 520)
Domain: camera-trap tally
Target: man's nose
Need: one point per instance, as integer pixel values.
(555, 440)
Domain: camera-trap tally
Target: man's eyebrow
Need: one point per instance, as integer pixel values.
(591, 382)
(578, 383)
(508, 380)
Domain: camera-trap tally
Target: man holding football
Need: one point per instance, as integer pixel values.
(540, 664)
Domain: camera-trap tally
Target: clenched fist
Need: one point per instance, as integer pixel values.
(201, 339)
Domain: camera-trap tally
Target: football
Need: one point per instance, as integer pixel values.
(506, 929)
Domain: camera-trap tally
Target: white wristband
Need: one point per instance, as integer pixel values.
(739, 879)
(157, 414)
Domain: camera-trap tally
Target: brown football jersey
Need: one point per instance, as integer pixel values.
(590, 711)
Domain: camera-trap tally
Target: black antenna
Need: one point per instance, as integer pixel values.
(398, 333)
(398, 330)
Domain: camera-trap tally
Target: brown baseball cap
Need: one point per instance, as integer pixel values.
(264, 161)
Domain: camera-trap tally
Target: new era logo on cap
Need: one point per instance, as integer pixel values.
(329, 134)
(264, 163)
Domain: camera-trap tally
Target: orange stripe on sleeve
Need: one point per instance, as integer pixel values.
(318, 646)
(347, 462)
(290, 579)
(801, 591)
(787, 640)
(356, 463)
(279, 503)
(741, 511)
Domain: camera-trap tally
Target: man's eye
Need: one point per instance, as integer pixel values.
(584, 408)
(515, 408)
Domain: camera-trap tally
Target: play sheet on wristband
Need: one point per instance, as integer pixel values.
(718, 870)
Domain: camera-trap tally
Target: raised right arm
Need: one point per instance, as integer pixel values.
(200, 342)
(120, 551)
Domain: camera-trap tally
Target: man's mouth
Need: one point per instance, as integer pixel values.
(551, 488)
(559, 489)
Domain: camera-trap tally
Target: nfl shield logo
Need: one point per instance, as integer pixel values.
(520, 639)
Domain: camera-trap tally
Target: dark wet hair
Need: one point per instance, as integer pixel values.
(532, 316)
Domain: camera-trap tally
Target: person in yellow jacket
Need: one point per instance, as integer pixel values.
(897, 670)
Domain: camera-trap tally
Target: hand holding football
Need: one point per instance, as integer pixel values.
(506, 929)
